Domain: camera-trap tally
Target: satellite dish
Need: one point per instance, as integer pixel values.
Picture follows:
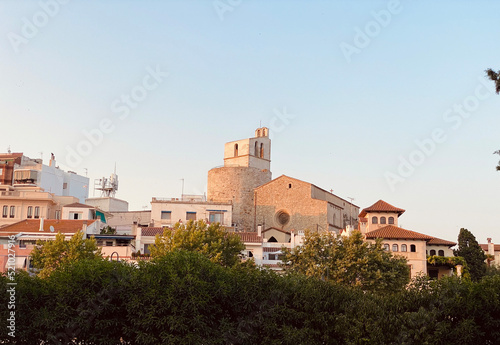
(51, 228)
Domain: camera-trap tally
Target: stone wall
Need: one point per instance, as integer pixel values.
(286, 195)
(236, 185)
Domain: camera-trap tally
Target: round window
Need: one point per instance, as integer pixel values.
(282, 217)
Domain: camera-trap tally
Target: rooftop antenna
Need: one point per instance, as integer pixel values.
(8, 150)
(41, 155)
(86, 170)
(182, 193)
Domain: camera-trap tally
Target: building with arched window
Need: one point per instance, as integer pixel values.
(414, 246)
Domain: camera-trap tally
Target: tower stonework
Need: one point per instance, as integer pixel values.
(247, 165)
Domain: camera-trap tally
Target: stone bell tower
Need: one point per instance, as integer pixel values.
(247, 165)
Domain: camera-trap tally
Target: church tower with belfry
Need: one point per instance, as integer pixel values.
(247, 165)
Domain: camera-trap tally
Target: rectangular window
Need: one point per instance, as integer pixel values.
(37, 211)
(99, 243)
(272, 256)
(190, 215)
(1, 171)
(65, 185)
(12, 211)
(58, 214)
(22, 244)
(5, 211)
(109, 243)
(30, 212)
(75, 215)
(166, 215)
(216, 217)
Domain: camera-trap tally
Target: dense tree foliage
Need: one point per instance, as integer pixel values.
(48, 255)
(184, 298)
(348, 260)
(474, 256)
(210, 240)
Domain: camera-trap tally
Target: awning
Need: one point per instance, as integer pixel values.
(19, 264)
(100, 215)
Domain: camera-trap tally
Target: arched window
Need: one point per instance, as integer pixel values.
(433, 252)
(236, 150)
(382, 220)
(391, 220)
(30, 212)
(386, 246)
(272, 239)
(374, 220)
(261, 150)
(441, 252)
(394, 247)
(256, 150)
(413, 248)
(403, 248)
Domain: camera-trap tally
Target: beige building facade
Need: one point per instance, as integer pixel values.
(168, 211)
(380, 220)
(17, 204)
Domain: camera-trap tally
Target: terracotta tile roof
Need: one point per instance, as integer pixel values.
(79, 205)
(394, 232)
(249, 237)
(271, 249)
(441, 242)
(363, 220)
(151, 231)
(10, 155)
(496, 247)
(381, 206)
(33, 225)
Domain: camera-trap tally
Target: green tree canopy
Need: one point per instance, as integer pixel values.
(210, 240)
(474, 256)
(49, 255)
(349, 261)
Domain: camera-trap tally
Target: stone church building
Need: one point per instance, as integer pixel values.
(261, 204)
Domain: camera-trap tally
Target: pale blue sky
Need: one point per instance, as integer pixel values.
(352, 120)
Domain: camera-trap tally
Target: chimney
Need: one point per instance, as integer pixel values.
(84, 227)
(491, 247)
(52, 161)
(41, 224)
(259, 230)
